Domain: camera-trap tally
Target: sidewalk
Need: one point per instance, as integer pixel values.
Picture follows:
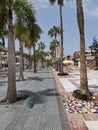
(86, 119)
(38, 107)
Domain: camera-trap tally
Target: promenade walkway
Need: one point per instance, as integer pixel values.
(80, 116)
(39, 107)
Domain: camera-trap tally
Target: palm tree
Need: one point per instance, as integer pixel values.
(22, 33)
(35, 35)
(19, 31)
(25, 10)
(28, 45)
(31, 39)
(80, 19)
(3, 28)
(41, 47)
(83, 71)
(53, 45)
(53, 32)
(60, 3)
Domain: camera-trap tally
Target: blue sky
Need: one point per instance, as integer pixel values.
(48, 16)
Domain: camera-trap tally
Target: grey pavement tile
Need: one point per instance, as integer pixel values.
(43, 117)
(3, 125)
(7, 117)
(32, 122)
(10, 127)
(2, 110)
(65, 126)
(39, 111)
(15, 120)
(42, 126)
(52, 126)
(18, 127)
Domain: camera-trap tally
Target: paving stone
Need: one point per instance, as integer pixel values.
(39, 111)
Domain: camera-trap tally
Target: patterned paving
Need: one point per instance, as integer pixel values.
(76, 122)
(39, 111)
(71, 82)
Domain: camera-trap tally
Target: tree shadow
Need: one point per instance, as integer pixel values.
(32, 98)
(47, 78)
(39, 71)
(34, 78)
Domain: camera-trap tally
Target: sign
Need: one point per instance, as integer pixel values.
(94, 40)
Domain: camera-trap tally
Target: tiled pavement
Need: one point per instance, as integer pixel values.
(66, 85)
(38, 108)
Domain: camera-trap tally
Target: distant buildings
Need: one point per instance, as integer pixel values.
(91, 56)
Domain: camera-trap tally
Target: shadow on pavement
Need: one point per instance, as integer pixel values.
(36, 98)
(35, 78)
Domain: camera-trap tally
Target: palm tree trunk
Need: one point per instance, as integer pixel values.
(34, 59)
(21, 77)
(61, 26)
(42, 62)
(0, 61)
(11, 91)
(3, 42)
(83, 71)
(55, 47)
(30, 62)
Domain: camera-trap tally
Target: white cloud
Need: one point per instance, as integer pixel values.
(90, 8)
(38, 4)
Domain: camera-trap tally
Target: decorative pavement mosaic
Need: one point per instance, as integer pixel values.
(82, 115)
(73, 105)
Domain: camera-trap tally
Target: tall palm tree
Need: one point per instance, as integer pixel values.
(53, 47)
(23, 8)
(28, 45)
(41, 47)
(20, 31)
(80, 19)
(35, 35)
(83, 72)
(60, 3)
(3, 32)
(3, 27)
(32, 37)
(53, 32)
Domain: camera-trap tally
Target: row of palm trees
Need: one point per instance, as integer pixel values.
(80, 21)
(18, 20)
